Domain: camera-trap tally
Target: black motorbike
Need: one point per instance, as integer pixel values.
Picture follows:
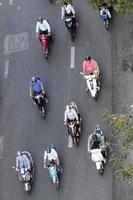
(71, 24)
(41, 101)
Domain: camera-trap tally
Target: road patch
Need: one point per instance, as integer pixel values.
(16, 42)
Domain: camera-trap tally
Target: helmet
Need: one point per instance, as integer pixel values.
(98, 127)
(40, 19)
(98, 130)
(33, 79)
(68, 107)
(66, 2)
(48, 149)
(88, 58)
(18, 153)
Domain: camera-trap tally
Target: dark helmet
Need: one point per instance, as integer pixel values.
(40, 19)
(48, 149)
(88, 58)
(66, 3)
(94, 137)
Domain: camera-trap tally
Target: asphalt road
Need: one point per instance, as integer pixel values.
(20, 122)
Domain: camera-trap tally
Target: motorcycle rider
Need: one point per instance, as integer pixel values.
(96, 141)
(104, 12)
(71, 115)
(67, 10)
(36, 86)
(42, 27)
(22, 162)
(50, 156)
(90, 67)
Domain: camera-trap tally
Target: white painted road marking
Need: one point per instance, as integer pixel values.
(70, 142)
(1, 146)
(10, 2)
(72, 64)
(6, 69)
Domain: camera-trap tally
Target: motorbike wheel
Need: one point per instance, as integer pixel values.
(27, 189)
(43, 112)
(46, 55)
(57, 183)
(106, 24)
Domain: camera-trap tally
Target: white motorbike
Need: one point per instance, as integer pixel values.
(97, 146)
(97, 157)
(93, 85)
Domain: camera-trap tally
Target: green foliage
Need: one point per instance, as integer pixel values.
(122, 132)
(63, 1)
(120, 6)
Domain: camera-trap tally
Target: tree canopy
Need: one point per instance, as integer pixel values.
(120, 6)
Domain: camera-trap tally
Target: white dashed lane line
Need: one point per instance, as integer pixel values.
(10, 2)
(1, 146)
(72, 63)
(6, 69)
(70, 142)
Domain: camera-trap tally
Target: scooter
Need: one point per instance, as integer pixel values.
(99, 160)
(45, 44)
(74, 129)
(26, 176)
(71, 25)
(98, 153)
(41, 103)
(54, 170)
(93, 84)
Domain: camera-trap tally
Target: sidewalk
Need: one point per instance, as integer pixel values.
(122, 64)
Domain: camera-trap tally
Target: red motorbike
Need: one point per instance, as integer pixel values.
(45, 44)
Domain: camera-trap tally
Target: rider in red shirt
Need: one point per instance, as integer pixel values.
(90, 67)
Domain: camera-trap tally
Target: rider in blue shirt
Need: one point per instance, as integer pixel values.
(36, 87)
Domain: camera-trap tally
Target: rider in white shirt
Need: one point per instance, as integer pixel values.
(67, 10)
(49, 155)
(70, 114)
(42, 27)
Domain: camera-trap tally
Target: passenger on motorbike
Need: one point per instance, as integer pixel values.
(36, 87)
(67, 10)
(90, 67)
(50, 156)
(104, 12)
(22, 162)
(42, 27)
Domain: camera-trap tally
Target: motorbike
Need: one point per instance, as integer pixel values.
(26, 176)
(99, 155)
(55, 171)
(93, 84)
(45, 39)
(71, 25)
(105, 17)
(74, 129)
(99, 160)
(41, 103)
